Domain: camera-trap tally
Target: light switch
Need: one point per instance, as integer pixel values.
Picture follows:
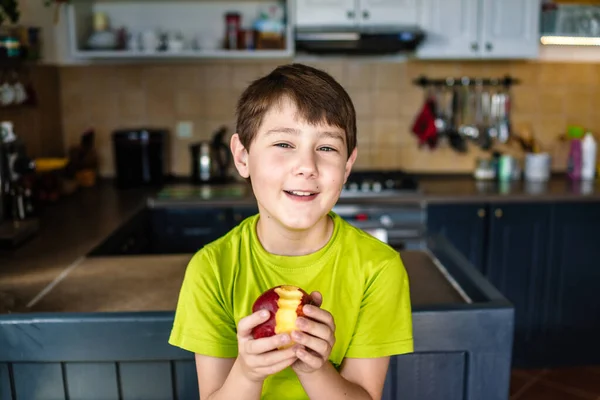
(185, 129)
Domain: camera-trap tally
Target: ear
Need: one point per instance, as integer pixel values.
(350, 163)
(240, 156)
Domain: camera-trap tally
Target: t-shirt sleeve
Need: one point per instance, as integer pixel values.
(202, 321)
(384, 325)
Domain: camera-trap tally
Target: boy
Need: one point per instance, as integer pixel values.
(296, 144)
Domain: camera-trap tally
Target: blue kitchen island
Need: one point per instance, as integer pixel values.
(101, 333)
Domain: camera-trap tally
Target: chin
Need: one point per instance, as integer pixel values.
(295, 220)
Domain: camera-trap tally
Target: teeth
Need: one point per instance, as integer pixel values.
(297, 193)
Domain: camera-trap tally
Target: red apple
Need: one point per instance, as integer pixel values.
(284, 304)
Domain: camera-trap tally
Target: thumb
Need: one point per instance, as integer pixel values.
(317, 298)
(248, 323)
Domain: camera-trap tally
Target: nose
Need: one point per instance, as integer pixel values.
(306, 164)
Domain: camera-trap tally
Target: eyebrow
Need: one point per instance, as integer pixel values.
(328, 134)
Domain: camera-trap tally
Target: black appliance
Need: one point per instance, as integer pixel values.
(17, 213)
(140, 157)
(211, 160)
(358, 41)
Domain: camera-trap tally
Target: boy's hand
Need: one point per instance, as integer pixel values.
(316, 334)
(260, 358)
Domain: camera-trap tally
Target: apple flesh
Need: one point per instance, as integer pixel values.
(284, 304)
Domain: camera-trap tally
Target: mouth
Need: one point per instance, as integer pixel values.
(301, 195)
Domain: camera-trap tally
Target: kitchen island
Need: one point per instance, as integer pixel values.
(102, 330)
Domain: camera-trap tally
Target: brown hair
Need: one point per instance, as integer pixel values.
(317, 95)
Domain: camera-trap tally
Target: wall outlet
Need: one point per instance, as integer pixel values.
(185, 129)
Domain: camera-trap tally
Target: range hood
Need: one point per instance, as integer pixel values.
(358, 40)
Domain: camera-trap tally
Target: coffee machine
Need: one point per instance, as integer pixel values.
(17, 221)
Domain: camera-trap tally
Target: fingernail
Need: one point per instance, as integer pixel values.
(264, 313)
(285, 339)
(297, 335)
(300, 322)
(307, 309)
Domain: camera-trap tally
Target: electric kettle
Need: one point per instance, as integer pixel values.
(211, 159)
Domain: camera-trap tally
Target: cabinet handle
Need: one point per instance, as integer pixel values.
(489, 46)
(498, 213)
(481, 213)
(474, 46)
(350, 14)
(365, 14)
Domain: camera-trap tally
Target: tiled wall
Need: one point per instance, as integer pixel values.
(110, 97)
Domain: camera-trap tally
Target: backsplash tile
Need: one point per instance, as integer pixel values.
(113, 97)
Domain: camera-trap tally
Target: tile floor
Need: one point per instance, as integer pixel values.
(581, 383)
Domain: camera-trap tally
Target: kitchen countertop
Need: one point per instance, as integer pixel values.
(152, 283)
(432, 190)
(71, 228)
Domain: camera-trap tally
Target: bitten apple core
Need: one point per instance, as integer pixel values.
(284, 304)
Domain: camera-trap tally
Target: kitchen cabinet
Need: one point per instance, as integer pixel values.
(571, 319)
(463, 225)
(345, 13)
(544, 258)
(517, 265)
(479, 29)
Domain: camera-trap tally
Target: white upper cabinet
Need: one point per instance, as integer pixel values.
(451, 28)
(479, 29)
(325, 12)
(510, 28)
(388, 12)
(340, 13)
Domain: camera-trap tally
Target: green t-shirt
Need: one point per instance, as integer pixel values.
(363, 282)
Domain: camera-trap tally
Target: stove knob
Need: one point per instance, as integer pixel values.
(389, 184)
(364, 187)
(353, 186)
(386, 221)
(377, 187)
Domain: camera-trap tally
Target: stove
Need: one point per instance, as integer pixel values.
(379, 184)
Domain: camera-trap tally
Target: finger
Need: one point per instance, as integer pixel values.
(318, 345)
(246, 324)
(311, 360)
(263, 345)
(319, 315)
(316, 317)
(317, 298)
(274, 357)
(279, 366)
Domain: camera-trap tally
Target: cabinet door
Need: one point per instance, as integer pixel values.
(463, 225)
(325, 13)
(510, 28)
(451, 28)
(388, 12)
(572, 319)
(517, 264)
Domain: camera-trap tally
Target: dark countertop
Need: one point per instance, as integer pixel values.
(71, 228)
(437, 189)
(152, 283)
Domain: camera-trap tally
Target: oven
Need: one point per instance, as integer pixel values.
(402, 226)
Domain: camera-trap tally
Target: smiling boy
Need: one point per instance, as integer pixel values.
(296, 144)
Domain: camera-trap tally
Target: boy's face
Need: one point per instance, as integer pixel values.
(297, 170)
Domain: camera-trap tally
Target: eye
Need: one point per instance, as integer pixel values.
(283, 145)
(327, 148)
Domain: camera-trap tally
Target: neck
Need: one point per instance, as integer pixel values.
(278, 240)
